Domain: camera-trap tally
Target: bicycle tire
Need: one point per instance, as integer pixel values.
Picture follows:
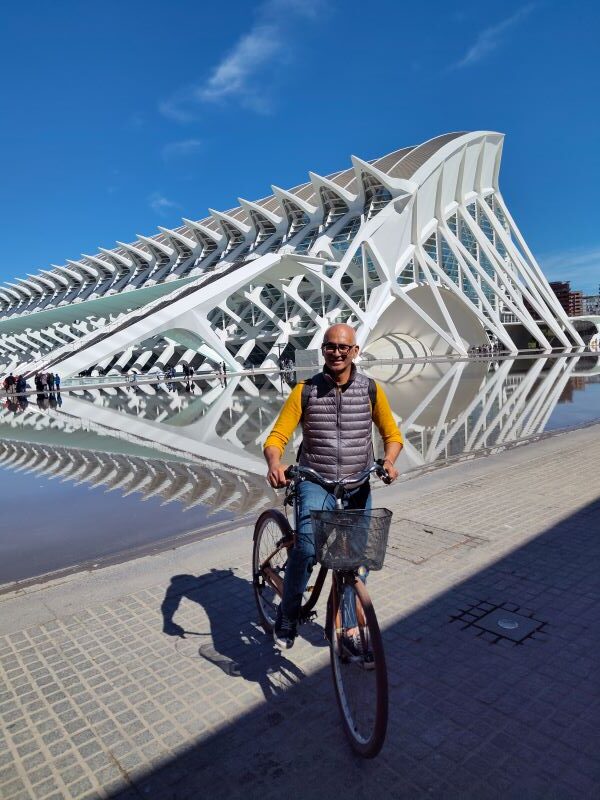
(272, 537)
(362, 694)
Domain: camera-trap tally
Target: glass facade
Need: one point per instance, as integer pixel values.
(297, 218)
(376, 196)
(334, 207)
(430, 247)
(448, 261)
(234, 238)
(264, 229)
(407, 275)
(341, 241)
(489, 270)
(500, 215)
(486, 226)
(372, 273)
(308, 241)
(467, 239)
(275, 245)
(468, 280)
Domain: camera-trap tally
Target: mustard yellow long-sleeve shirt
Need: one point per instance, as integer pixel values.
(291, 413)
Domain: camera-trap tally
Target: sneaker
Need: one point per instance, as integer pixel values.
(284, 631)
(353, 647)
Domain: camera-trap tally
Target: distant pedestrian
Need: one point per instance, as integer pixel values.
(51, 381)
(57, 381)
(37, 379)
(10, 383)
(170, 375)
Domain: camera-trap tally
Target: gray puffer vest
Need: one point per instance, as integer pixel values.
(337, 426)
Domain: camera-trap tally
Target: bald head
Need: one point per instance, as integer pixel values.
(339, 351)
(340, 332)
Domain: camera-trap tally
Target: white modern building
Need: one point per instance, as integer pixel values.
(417, 250)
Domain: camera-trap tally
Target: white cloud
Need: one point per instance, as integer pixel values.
(234, 77)
(181, 149)
(580, 266)
(160, 204)
(490, 38)
(253, 50)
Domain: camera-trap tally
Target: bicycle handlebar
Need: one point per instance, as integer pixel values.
(297, 473)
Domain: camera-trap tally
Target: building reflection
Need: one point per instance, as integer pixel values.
(205, 447)
(447, 411)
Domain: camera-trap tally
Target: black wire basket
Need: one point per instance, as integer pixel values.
(351, 539)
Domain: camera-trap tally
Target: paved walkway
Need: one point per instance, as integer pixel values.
(96, 701)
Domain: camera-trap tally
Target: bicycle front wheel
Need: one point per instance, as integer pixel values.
(272, 538)
(360, 674)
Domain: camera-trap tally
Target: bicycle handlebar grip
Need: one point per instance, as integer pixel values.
(291, 472)
(383, 473)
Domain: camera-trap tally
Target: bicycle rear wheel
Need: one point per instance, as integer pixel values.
(360, 681)
(272, 538)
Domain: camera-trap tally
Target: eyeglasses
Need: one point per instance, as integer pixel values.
(331, 347)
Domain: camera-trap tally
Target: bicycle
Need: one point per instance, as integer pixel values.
(348, 542)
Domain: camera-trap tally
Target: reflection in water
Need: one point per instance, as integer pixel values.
(189, 484)
(206, 447)
(449, 410)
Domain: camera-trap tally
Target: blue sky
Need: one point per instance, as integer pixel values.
(121, 116)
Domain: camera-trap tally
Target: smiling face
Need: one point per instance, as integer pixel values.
(339, 350)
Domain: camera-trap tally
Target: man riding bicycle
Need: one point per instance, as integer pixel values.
(336, 409)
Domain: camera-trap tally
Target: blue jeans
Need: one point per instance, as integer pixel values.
(302, 557)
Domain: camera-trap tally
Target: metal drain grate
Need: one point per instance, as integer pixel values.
(504, 621)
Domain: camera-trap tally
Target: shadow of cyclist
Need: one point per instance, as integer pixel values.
(234, 643)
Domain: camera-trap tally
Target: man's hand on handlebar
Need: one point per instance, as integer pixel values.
(276, 476)
(391, 473)
(275, 469)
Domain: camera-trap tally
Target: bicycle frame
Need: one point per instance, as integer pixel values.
(339, 489)
(276, 582)
(359, 670)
